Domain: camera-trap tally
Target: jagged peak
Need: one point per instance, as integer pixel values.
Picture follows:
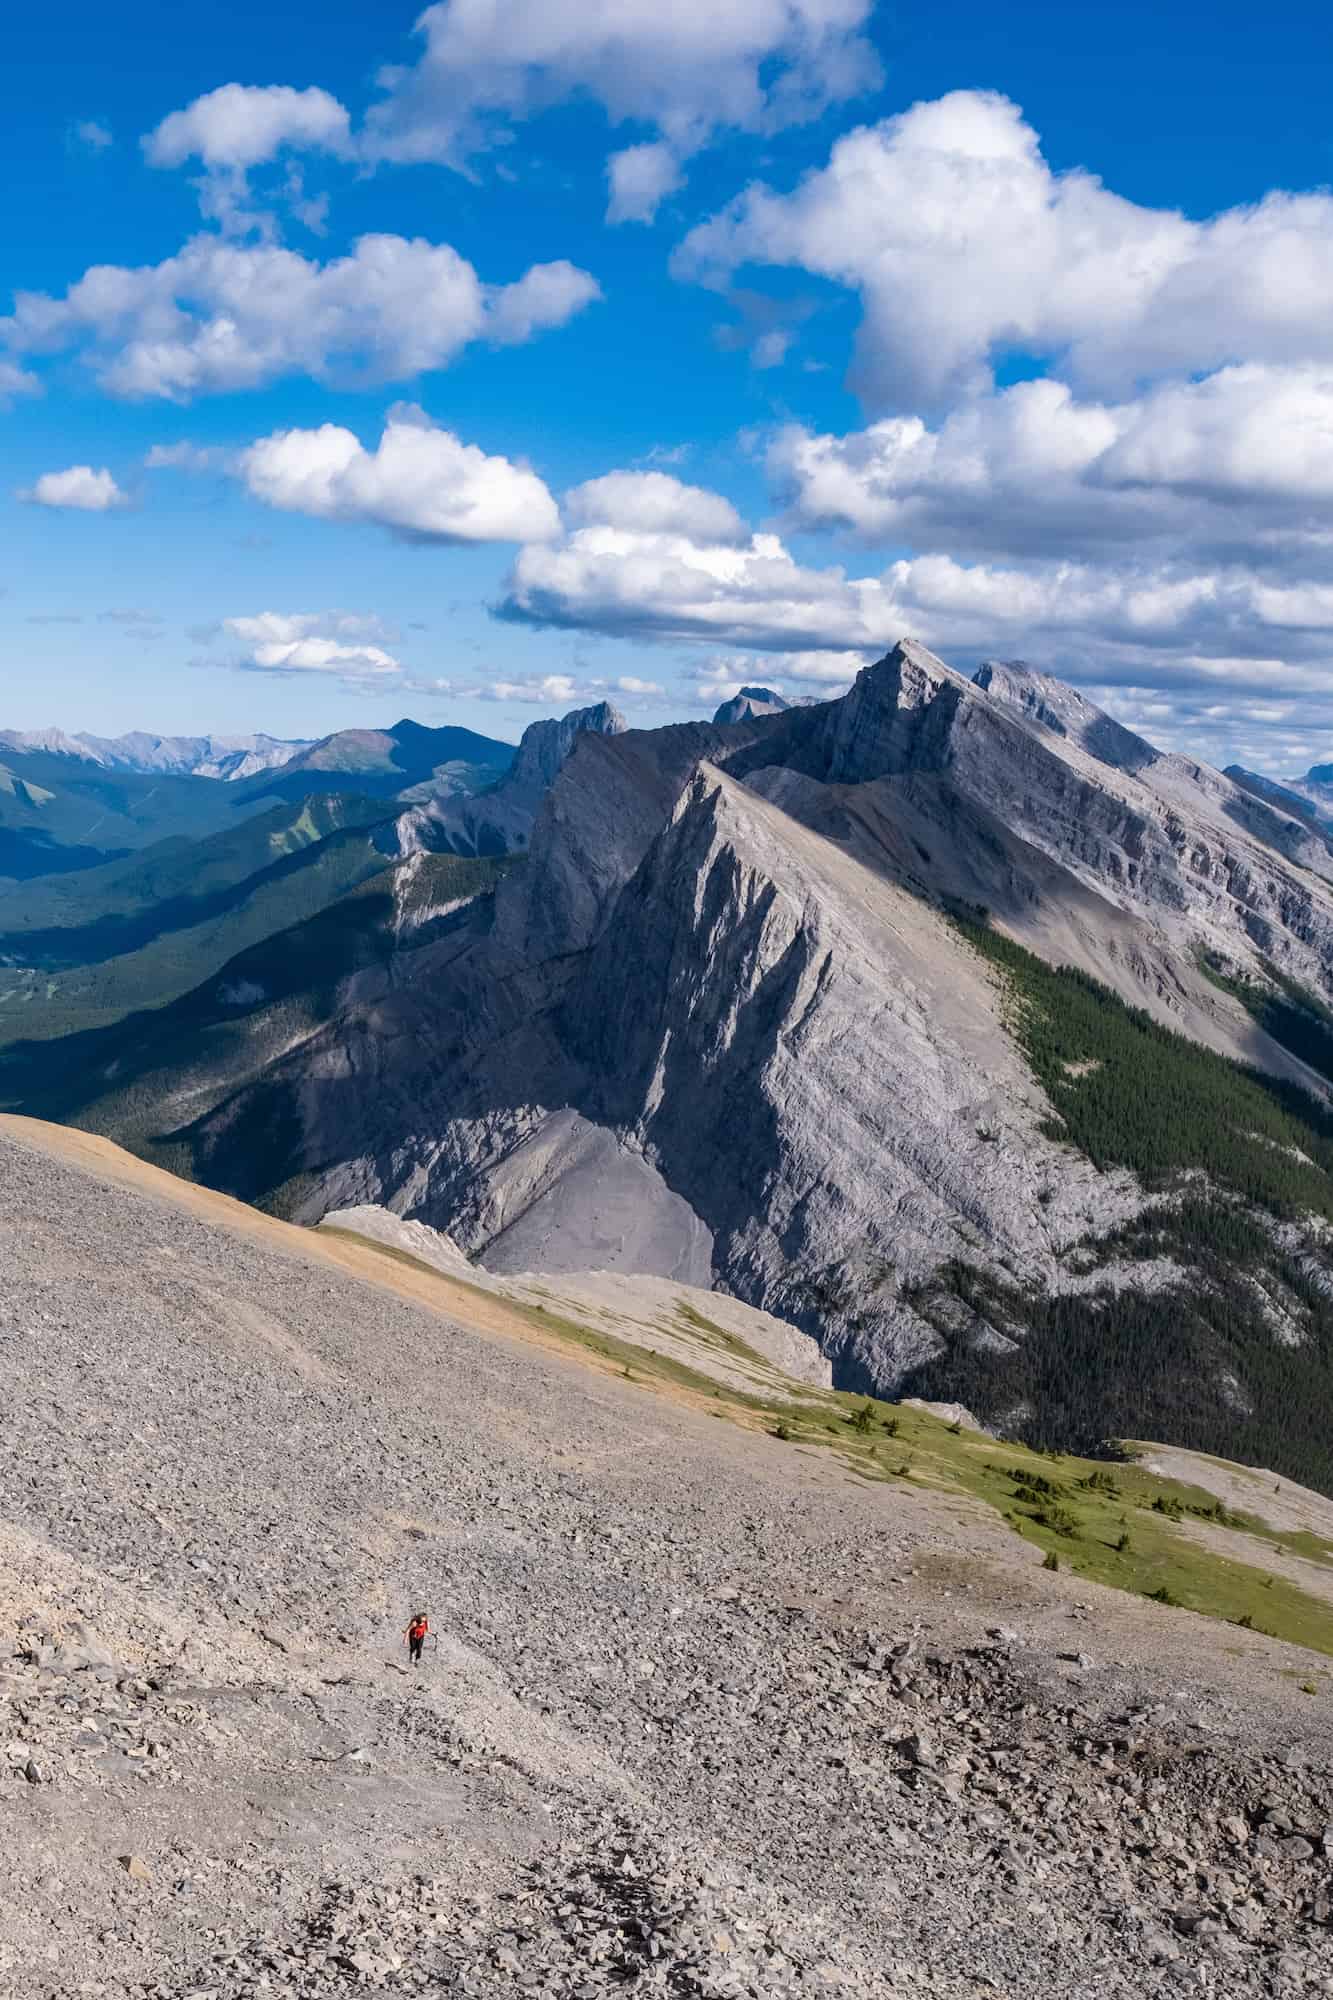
(917, 659)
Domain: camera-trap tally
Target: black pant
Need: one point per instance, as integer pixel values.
(414, 1647)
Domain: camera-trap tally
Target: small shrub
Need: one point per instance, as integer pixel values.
(864, 1420)
(1164, 1596)
(1308, 1687)
(1059, 1520)
(1035, 1484)
(1100, 1482)
(891, 1426)
(1122, 1546)
(903, 1471)
(1052, 1561)
(781, 1431)
(1245, 1621)
(1166, 1503)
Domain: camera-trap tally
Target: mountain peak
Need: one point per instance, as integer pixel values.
(751, 701)
(545, 745)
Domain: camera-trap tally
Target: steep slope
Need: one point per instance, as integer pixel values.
(728, 1341)
(500, 819)
(408, 761)
(710, 1709)
(1062, 711)
(1310, 797)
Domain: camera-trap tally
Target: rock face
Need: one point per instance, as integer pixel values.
(750, 701)
(1064, 712)
(720, 1027)
(499, 821)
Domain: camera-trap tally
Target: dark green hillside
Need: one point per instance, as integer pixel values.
(31, 854)
(1233, 1351)
(50, 803)
(146, 1077)
(107, 912)
(45, 1003)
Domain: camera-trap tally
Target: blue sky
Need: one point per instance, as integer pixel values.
(720, 345)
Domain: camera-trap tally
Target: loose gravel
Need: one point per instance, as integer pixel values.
(705, 1715)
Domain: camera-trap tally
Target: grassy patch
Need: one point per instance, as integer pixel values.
(1119, 1525)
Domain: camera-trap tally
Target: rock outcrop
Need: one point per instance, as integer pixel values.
(499, 820)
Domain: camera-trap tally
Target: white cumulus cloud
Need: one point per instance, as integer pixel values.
(1244, 455)
(79, 487)
(1147, 623)
(655, 503)
(244, 125)
(337, 643)
(419, 481)
(640, 178)
(964, 244)
(684, 70)
(540, 691)
(220, 315)
(16, 381)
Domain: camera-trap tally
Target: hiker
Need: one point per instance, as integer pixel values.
(415, 1634)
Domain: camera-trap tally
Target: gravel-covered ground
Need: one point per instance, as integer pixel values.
(706, 1715)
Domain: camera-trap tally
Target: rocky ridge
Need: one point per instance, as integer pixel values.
(709, 1331)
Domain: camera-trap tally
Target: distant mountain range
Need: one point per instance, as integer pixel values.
(225, 757)
(69, 803)
(408, 761)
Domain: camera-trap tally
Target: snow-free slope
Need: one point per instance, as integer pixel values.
(702, 1701)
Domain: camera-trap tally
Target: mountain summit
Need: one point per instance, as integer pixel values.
(748, 701)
